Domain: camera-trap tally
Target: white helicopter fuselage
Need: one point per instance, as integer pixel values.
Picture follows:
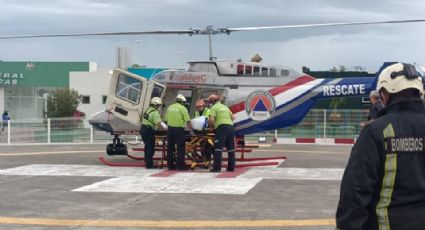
(262, 96)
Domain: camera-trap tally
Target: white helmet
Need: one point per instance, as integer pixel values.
(398, 77)
(156, 101)
(181, 97)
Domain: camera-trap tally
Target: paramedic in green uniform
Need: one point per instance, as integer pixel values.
(202, 110)
(177, 118)
(222, 119)
(151, 121)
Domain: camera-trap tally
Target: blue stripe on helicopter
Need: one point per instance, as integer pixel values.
(278, 107)
(302, 103)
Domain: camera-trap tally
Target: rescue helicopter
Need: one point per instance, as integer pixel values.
(261, 96)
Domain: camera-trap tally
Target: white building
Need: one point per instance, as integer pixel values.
(93, 86)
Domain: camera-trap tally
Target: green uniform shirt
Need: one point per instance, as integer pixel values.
(153, 117)
(177, 115)
(205, 113)
(222, 115)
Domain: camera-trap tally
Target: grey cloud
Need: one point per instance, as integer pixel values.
(317, 47)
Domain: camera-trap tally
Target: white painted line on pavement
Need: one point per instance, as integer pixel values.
(77, 170)
(50, 153)
(236, 186)
(139, 180)
(295, 173)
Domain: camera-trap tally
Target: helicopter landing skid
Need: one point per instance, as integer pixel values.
(142, 164)
(195, 158)
(128, 164)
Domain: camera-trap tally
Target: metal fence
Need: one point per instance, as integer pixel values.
(328, 123)
(54, 130)
(317, 123)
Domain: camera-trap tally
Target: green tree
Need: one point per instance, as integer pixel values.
(62, 102)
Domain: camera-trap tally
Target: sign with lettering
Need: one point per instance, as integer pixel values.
(188, 77)
(405, 144)
(10, 78)
(343, 90)
(38, 74)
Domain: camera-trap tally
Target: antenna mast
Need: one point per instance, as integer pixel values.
(209, 30)
(210, 46)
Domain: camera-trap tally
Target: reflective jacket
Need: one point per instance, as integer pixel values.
(205, 113)
(383, 186)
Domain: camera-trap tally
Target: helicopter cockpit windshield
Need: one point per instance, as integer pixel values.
(128, 88)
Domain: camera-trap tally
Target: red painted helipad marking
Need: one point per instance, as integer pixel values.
(165, 173)
(237, 172)
(344, 141)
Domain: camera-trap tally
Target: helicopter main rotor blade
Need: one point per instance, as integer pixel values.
(320, 25)
(190, 32)
(208, 30)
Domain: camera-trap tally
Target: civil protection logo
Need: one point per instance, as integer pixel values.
(260, 105)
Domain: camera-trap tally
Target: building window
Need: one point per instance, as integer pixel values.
(104, 97)
(85, 99)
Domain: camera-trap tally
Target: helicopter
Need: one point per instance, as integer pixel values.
(261, 96)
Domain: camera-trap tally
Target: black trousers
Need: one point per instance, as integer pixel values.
(208, 149)
(176, 136)
(148, 137)
(224, 136)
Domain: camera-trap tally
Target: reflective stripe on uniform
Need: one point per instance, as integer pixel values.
(387, 183)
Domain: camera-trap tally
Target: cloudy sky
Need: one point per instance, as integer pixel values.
(318, 48)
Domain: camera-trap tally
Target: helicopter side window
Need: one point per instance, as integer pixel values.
(128, 88)
(202, 67)
(248, 70)
(264, 71)
(239, 69)
(256, 71)
(157, 91)
(284, 72)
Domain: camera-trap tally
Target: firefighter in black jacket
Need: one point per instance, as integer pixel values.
(383, 186)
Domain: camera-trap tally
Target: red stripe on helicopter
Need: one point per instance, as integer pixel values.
(277, 90)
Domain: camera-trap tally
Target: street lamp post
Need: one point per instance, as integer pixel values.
(136, 51)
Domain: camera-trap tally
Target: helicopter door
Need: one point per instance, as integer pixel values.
(126, 97)
(154, 89)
